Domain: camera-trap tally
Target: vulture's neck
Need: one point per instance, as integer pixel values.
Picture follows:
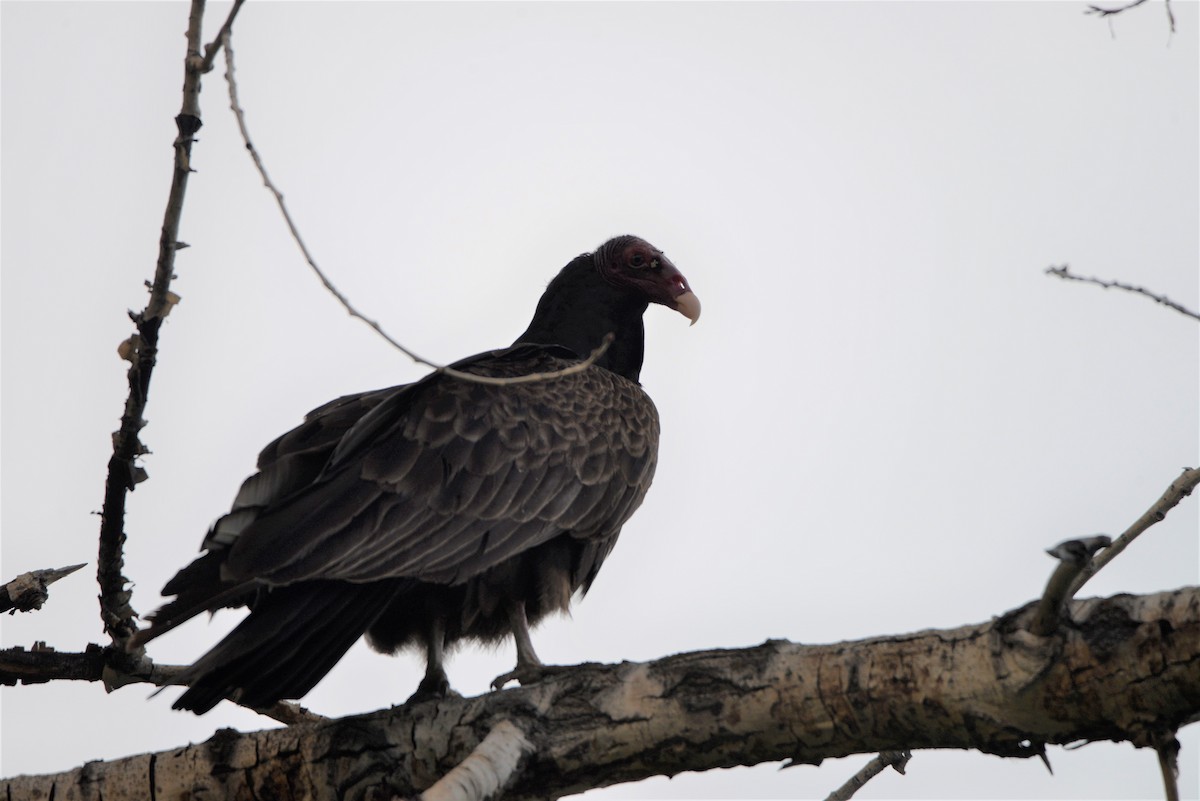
(579, 307)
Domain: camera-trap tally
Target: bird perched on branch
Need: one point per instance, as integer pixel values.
(447, 509)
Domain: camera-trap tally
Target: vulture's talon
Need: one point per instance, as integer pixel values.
(527, 674)
(434, 688)
(504, 678)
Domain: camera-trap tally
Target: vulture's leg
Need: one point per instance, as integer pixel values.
(526, 656)
(436, 684)
(529, 668)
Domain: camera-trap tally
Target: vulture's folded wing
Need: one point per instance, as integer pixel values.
(441, 480)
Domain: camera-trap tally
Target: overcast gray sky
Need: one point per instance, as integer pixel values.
(884, 417)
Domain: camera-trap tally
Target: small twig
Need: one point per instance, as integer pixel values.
(240, 114)
(896, 759)
(1168, 763)
(1109, 12)
(1065, 273)
(488, 770)
(28, 592)
(1073, 556)
(1180, 488)
(212, 48)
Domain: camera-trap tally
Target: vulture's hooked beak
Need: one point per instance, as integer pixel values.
(673, 290)
(688, 305)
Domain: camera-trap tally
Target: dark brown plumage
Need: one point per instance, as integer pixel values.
(441, 510)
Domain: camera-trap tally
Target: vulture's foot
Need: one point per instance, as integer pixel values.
(527, 674)
(433, 688)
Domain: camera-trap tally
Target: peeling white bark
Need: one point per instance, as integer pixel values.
(487, 770)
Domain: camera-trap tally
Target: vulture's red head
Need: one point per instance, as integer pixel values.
(634, 262)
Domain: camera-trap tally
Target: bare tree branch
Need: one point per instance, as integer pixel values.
(42, 664)
(895, 759)
(214, 47)
(488, 770)
(1108, 12)
(1168, 763)
(28, 591)
(1180, 488)
(240, 114)
(141, 350)
(1065, 273)
(1127, 669)
(1073, 556)
(1114, 10)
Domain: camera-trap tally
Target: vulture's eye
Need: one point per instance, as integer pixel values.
(637, 261)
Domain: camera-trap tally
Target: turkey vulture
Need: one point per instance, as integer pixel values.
(442, 510)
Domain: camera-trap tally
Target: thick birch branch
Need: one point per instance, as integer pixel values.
(1122, 668)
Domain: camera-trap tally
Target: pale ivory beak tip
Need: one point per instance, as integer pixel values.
(688, 305)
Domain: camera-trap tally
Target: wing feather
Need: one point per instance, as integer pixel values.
(442, 480)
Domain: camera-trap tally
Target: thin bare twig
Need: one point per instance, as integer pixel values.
(1065, 273)
(1109, 12)
(238, 112)
(896, 759)
(28, 592)
(1180, 488)
(1168, 763)
(212, 48)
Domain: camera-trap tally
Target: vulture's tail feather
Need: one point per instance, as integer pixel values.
(293, 636)
(198, 588)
